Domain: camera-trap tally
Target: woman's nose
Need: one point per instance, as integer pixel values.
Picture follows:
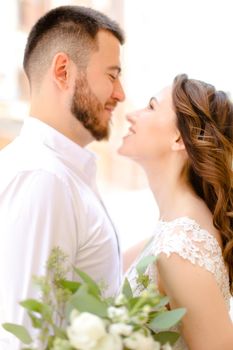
(132, 117)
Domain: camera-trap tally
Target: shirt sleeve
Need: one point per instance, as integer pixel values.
(36, 214)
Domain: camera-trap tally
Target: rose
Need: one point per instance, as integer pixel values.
(138, 341)
(85, 330)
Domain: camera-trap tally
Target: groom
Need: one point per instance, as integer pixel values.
(48, 195)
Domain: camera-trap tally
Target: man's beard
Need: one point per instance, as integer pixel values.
(88, 110)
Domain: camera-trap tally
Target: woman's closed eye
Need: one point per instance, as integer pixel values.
(150, 106)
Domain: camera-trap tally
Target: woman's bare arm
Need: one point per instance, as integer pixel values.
(207, 324)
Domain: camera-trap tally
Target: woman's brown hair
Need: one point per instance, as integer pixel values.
(205, 121)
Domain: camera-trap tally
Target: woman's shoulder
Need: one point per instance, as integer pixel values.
(185, 237)
(186, 227)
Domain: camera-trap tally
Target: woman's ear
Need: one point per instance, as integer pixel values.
(178, 143)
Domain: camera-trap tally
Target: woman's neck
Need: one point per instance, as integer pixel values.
(172, 192)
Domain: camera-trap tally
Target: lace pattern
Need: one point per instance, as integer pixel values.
(186, 238)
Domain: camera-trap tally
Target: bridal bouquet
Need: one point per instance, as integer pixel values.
(75, 316)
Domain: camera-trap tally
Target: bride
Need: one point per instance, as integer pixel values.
(183, 140)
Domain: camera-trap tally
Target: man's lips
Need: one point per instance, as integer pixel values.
(110, 108)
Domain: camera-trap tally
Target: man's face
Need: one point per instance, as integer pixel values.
(88, 110)
(98, 91)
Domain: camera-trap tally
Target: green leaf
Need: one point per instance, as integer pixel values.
(166, 337)
(50, 342)
(18, 331)
(163, 301)
(144, 263)
(126, 290)
(92, 286)
(83, 301)
(109, 301)
(133, 301)
(36, 321)
(88, 303)
(32, 305)
(47, 312)
(166, 319)
(59, 332)
(72, 286)
(143, 280)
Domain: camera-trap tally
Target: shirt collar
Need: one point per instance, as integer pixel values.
(80, 158)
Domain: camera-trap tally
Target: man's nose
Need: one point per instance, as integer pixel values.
(118, 92)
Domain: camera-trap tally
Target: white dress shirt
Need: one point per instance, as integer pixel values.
(48, 198)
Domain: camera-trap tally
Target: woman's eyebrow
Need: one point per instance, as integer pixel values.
(153, 98)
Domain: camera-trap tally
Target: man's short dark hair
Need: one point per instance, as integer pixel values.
(69, 29)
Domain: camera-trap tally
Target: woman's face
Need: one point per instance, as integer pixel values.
(152, 132)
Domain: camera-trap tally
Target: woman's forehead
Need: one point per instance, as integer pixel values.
(163, 94)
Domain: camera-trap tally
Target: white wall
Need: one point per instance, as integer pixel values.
(167, 37)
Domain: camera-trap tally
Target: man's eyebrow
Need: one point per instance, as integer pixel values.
(115, 68)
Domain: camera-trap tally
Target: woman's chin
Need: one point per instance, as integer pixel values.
(123, 151)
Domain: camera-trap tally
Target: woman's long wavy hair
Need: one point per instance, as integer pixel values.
(205, 121)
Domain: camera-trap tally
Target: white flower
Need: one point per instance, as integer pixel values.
(120, 329)
(74, 313)
(85, 330)
(138, 341)
(146, 308)
(141, 318)
(118, 314)
(166, 347)
(109, 342)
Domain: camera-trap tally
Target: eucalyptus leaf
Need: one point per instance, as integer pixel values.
(18, 331)
(144, 263)
(92, 285)
(163, 301)
(166, 319)
(85, 302)
(126, 290)
(166, 337)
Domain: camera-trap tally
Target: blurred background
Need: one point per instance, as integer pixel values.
(164, 38)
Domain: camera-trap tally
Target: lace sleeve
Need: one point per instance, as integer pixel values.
(184, 237)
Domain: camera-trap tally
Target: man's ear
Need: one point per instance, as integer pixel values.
(61, 70)
(178, 143)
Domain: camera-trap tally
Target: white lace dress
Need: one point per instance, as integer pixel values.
(186, 238)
